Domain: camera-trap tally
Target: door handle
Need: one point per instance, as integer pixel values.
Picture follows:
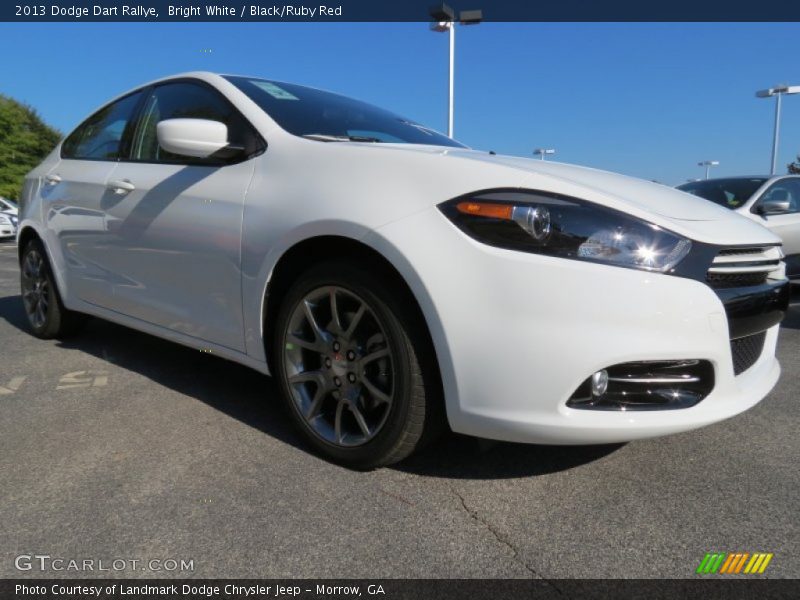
(121, 187)
(52, 179)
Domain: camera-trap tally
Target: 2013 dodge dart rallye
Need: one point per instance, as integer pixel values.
(394, 281)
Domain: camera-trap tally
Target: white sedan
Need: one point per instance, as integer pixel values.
(395, 281)
(773, 201)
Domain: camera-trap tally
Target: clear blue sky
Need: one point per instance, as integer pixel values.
(649, 100)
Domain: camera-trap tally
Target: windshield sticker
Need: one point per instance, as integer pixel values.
(274, 91)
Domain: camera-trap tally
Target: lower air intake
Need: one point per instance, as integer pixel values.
(746, 350)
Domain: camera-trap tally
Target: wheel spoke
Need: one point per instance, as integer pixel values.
(316, 403)
(39, 314)
(305, 376)
(337, 323)
(337, 426)
(375, 392)
(373, 356)
(355, 321)
(319, 333)
(362, 424)
(314, 346)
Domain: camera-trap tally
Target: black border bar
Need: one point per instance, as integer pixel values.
(400, 10)
(708, 587)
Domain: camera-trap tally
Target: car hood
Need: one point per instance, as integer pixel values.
(646, 195)
(679, 211)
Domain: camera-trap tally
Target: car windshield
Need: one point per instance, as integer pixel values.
(329, 117)
(6, 204)
(731, 193)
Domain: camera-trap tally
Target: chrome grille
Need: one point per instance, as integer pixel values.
(742, 267)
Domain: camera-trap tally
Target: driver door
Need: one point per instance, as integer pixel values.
(173, 223)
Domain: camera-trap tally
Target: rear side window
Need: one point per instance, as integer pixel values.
(185, 100)
(100, 136)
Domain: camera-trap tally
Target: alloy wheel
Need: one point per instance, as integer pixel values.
(35, 288)
(339, 366)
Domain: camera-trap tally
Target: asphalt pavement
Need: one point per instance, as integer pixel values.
(116, 445)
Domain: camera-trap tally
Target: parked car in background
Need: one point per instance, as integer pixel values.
(8, 225)
(772, 201)
(388, 276)
(8, 206)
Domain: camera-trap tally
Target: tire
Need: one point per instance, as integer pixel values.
(41, 300)
(363, 386)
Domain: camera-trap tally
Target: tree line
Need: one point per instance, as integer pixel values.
(25, 139)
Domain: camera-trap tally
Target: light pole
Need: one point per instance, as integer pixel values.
(777, 91)
(708, 164)
(444, 20)
(542, 152)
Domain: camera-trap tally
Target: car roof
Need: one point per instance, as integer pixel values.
(764, 177)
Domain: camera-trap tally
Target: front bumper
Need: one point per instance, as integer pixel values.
(517, 333)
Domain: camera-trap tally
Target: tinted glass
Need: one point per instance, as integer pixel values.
(186, 101)
(100, 136)
(306, 111)
(731, 193)
(785, 190)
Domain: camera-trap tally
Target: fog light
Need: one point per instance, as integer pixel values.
(599, 383)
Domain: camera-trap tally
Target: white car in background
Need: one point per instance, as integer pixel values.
(8, 207)
(772, 201)
(390, 277)
(8, 219)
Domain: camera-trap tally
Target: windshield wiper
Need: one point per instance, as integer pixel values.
(322, 137)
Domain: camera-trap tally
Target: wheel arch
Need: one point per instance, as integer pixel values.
(26, 234)
(311, 251)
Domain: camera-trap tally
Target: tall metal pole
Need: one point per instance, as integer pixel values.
(708, 168)
(452, 69)
(775, 134)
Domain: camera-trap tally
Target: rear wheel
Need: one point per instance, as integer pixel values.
(46, 313)
(354, 366)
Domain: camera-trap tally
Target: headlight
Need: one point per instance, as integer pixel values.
(556, 225)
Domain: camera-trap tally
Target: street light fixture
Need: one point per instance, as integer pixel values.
(444, 20)
(777, 91)
(542, 152)
(708, 164)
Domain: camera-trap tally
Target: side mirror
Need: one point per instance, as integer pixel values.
(778, 202)
(198, 138)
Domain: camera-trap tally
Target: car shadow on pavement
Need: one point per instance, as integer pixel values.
(463, 457)
(252, 398)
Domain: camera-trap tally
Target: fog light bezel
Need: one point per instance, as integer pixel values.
(647, 386)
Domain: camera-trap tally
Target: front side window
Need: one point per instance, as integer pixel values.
(312, 113)
(100, 136)
(785, 190)
(730, 193)
(185, 100)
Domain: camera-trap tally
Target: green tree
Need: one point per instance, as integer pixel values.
(794, 167)
(24, 141)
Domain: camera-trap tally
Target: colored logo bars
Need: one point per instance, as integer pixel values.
(734, 563)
